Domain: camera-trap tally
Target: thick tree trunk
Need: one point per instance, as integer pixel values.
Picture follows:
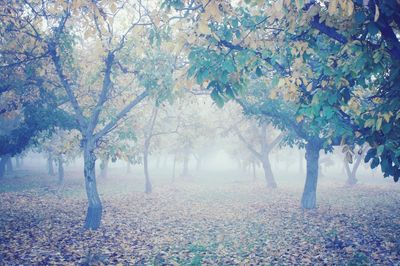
(148, 188)
(9, 165)
(2, 166)
(269, 176)
(94, 211)
(60, 170)
(309, 198)
(104, 168)
(50, 166)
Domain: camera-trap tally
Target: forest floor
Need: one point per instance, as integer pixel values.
(189, 223)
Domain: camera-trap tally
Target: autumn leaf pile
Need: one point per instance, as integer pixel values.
(193, 224)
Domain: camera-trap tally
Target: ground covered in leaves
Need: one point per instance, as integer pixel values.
(189, 223)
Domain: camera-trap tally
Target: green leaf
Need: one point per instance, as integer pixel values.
(259, 72)
(375, 162)
(359, 17)
(228, 65)
(217, 98)
(372, 28)
(370, 154)
(380, 149)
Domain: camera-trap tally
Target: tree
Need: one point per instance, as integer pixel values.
(112, 48)
(259, 138)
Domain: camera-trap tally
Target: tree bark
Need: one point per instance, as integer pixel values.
(269, 176)
(50, 165)
(60, 170)
(94, 211)
(309, 199)
(148, 188)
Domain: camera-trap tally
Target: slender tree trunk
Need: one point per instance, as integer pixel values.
(60, 170)
(50, 165)
(185, 171)
(17, 162)
(198, 163)
(148, 188)
(174, 169)
(309, 198)
(164, 163)
(9, 165)
(2, 166)
(104, 167)
(269, 176)
(94, 211)
(128, 167)
(254, 171)
(351, 173)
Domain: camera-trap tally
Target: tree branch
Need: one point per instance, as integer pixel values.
(107, 128)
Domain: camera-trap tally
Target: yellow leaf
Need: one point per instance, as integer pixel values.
(332, 7)
(113, 7)
(350, 8)
(309, 86)
(203, 28)
(299, 118)
(387, 116)
(379, 123)
(376, 17)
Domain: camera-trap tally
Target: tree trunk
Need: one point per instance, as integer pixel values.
(128, 167)
(148, 188)
(17, 162)
(198, 163)
(351, 173)
(94, 211)
(269, 176)
(9, 165)
(50, 165)
(174, 169)
(60, 170)
(254, 171)
(185, 171)
(309, 199)
(104, 167)
(2, 166)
